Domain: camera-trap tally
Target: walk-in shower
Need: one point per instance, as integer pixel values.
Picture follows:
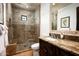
(24, 32)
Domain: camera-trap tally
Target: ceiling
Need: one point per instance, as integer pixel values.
(34, 6)
(26, 6)
(58, 6)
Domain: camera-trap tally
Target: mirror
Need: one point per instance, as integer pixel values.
(64, 16)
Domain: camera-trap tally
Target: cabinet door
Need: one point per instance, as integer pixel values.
(46, 49)
(62, 52)
(42, 50)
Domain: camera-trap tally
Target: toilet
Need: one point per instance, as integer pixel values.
(35, 48)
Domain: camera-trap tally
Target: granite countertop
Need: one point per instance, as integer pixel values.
(69, 45)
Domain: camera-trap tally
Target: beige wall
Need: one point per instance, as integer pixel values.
(37, 20)
(44, 19)
(9, 20)
(8, 12)
(1, 13)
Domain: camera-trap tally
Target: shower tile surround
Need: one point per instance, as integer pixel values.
(24, 32)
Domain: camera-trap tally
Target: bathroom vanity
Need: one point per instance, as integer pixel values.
(61, 25)
(58, 47)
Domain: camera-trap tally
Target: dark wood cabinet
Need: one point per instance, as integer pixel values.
(77, 14)
(47, 49)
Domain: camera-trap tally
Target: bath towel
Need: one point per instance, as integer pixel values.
(3, 39)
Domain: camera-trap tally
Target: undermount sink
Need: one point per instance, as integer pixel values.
(49, 38)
